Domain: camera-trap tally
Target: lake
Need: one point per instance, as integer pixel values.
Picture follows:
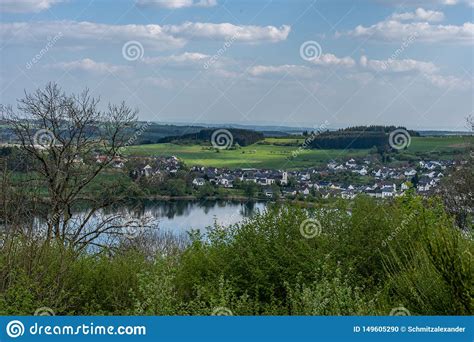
(176, 217)
(183, 215)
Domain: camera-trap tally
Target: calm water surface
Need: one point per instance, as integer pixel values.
(181, 216)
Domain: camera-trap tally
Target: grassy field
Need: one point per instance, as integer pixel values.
(272, 154)
(254, 156)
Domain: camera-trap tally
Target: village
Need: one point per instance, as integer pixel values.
(344, 179)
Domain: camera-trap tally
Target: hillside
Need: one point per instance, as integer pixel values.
(242, 137)
(359, 137)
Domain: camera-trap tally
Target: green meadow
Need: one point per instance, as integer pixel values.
(288, 153)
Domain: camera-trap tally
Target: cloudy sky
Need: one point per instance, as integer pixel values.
(334, 63)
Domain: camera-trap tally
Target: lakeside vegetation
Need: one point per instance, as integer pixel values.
(405, 253)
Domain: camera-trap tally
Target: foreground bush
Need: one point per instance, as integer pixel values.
(287, 261)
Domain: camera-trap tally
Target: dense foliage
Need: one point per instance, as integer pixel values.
(243, 137)
(358, 137)
(366, 260)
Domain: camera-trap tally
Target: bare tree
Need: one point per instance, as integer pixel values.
(470, 123)
(457, 189)
(64, 135)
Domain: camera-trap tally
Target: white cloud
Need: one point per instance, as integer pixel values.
(446, 82)
(286, 69)
(150, 36)
(428, 2)
(398, 65)
(419, 14)
(89, 65)
(176, 4)
(25, 6)
(225, 31)
(187, 58)
(329, 59)
(193, 60)
(427, 70)
(90, 34)
(390, 30)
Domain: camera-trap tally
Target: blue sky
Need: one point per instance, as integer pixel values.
(332, 63)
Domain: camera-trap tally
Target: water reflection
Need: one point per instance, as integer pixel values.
(176, 217)
(181, 216)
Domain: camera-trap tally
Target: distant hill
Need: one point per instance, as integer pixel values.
(154, 132)
(243, 137)
(359, 137)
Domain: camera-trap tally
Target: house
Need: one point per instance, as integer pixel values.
(362, 172)
(388, 191)
(101, 159)
(147, 170)
(78, 160)
(348, 194)
(351, 163)
(199, 181)
(268, 192)
(289, 192)
(424, 184)
(305, 191)
(405, 186)
(118, 164)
